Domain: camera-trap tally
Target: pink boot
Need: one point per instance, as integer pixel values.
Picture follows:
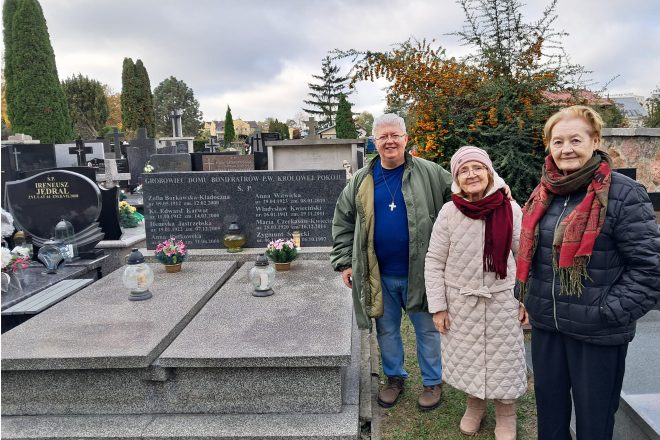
(471, 421)
(505, 421)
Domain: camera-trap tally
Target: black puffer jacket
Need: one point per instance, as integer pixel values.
(624, 270)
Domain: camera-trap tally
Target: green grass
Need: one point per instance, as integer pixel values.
(406, 422)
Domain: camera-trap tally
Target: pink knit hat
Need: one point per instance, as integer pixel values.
(467, 154)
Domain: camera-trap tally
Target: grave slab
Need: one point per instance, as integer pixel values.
(108, 330)
(307, 322)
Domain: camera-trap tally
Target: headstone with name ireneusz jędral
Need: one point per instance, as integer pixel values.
(197, 207)
(39, 202)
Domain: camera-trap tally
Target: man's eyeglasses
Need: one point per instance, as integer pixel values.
(477, 170)
(394, 137)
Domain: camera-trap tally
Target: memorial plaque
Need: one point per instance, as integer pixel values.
(199, 206)
(223, 162)
(39, 202)
(170, 162)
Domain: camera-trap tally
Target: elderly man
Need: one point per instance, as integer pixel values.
(381, 230)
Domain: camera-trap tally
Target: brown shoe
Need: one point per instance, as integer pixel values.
(505, 421)
(471, 421)
(430, 397)
(388, 396)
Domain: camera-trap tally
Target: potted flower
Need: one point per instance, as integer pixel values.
(148, 168)
(171, 253)
(128, 215)
(12, 263)
(282, 252)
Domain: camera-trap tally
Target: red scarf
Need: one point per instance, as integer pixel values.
(575, 236)
(496, 210)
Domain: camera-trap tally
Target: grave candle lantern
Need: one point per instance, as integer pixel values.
(65, 234)
(234, 239)
(138, 277)
(262, 276)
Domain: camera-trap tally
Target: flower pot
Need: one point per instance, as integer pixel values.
(172, 268)
(283, 267)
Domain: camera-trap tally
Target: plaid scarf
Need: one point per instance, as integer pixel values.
(496, 210)
(574, 238)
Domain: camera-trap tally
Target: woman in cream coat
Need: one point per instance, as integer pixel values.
(470, 274)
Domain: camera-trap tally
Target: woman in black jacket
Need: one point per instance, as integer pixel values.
(588, 268)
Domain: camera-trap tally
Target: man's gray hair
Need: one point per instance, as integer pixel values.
(388, 119)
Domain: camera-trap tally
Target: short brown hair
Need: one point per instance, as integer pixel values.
(588, 114)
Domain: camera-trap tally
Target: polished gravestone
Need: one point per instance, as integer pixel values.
(39, 202)
(225, 162)
(199, 206)
(163, 163)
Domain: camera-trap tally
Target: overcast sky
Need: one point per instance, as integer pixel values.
(258, 56)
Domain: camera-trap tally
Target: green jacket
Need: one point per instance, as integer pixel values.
(426, 186)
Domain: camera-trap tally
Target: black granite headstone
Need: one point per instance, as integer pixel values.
(199, 206)
(139, 153)
(655, 200)
(628, 172)
(181, 147)
(98, 165)
(170, 162)
(29, 157)
(40, 201)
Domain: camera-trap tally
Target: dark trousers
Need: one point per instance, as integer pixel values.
(593, 374)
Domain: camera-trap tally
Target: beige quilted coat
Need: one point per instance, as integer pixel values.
(483, 352)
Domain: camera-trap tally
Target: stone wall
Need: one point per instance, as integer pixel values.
(636, 148)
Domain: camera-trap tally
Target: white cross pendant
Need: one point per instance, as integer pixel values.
(392, 206)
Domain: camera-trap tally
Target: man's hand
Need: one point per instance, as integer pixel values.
(523, 317)
(347, 277)
(441, 321)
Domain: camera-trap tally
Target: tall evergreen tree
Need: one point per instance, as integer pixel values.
(324, 97)
(173, 94)
(137, 102)
(230, 133)
(144, 100)
(8, 10)
(35, 100)
(128, 95)
(88, 105)
(345, 125)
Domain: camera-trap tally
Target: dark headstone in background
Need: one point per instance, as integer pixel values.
(29, 157)
(109, 217)
(223, 162)
(655, 200)
(39, 202)
(199, 206)
(181, 147)
(170, 162)
(628, 172)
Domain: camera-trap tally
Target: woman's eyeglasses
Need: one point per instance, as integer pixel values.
(478, 171)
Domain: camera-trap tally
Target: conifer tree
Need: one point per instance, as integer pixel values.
(230, 133)
(172, 94)
(128, 94)
(8, 10)
(35, 100)
(345, 125)
(324, 97)
(276, 126)
(144, 100)
(88, 105)
(137, 102)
